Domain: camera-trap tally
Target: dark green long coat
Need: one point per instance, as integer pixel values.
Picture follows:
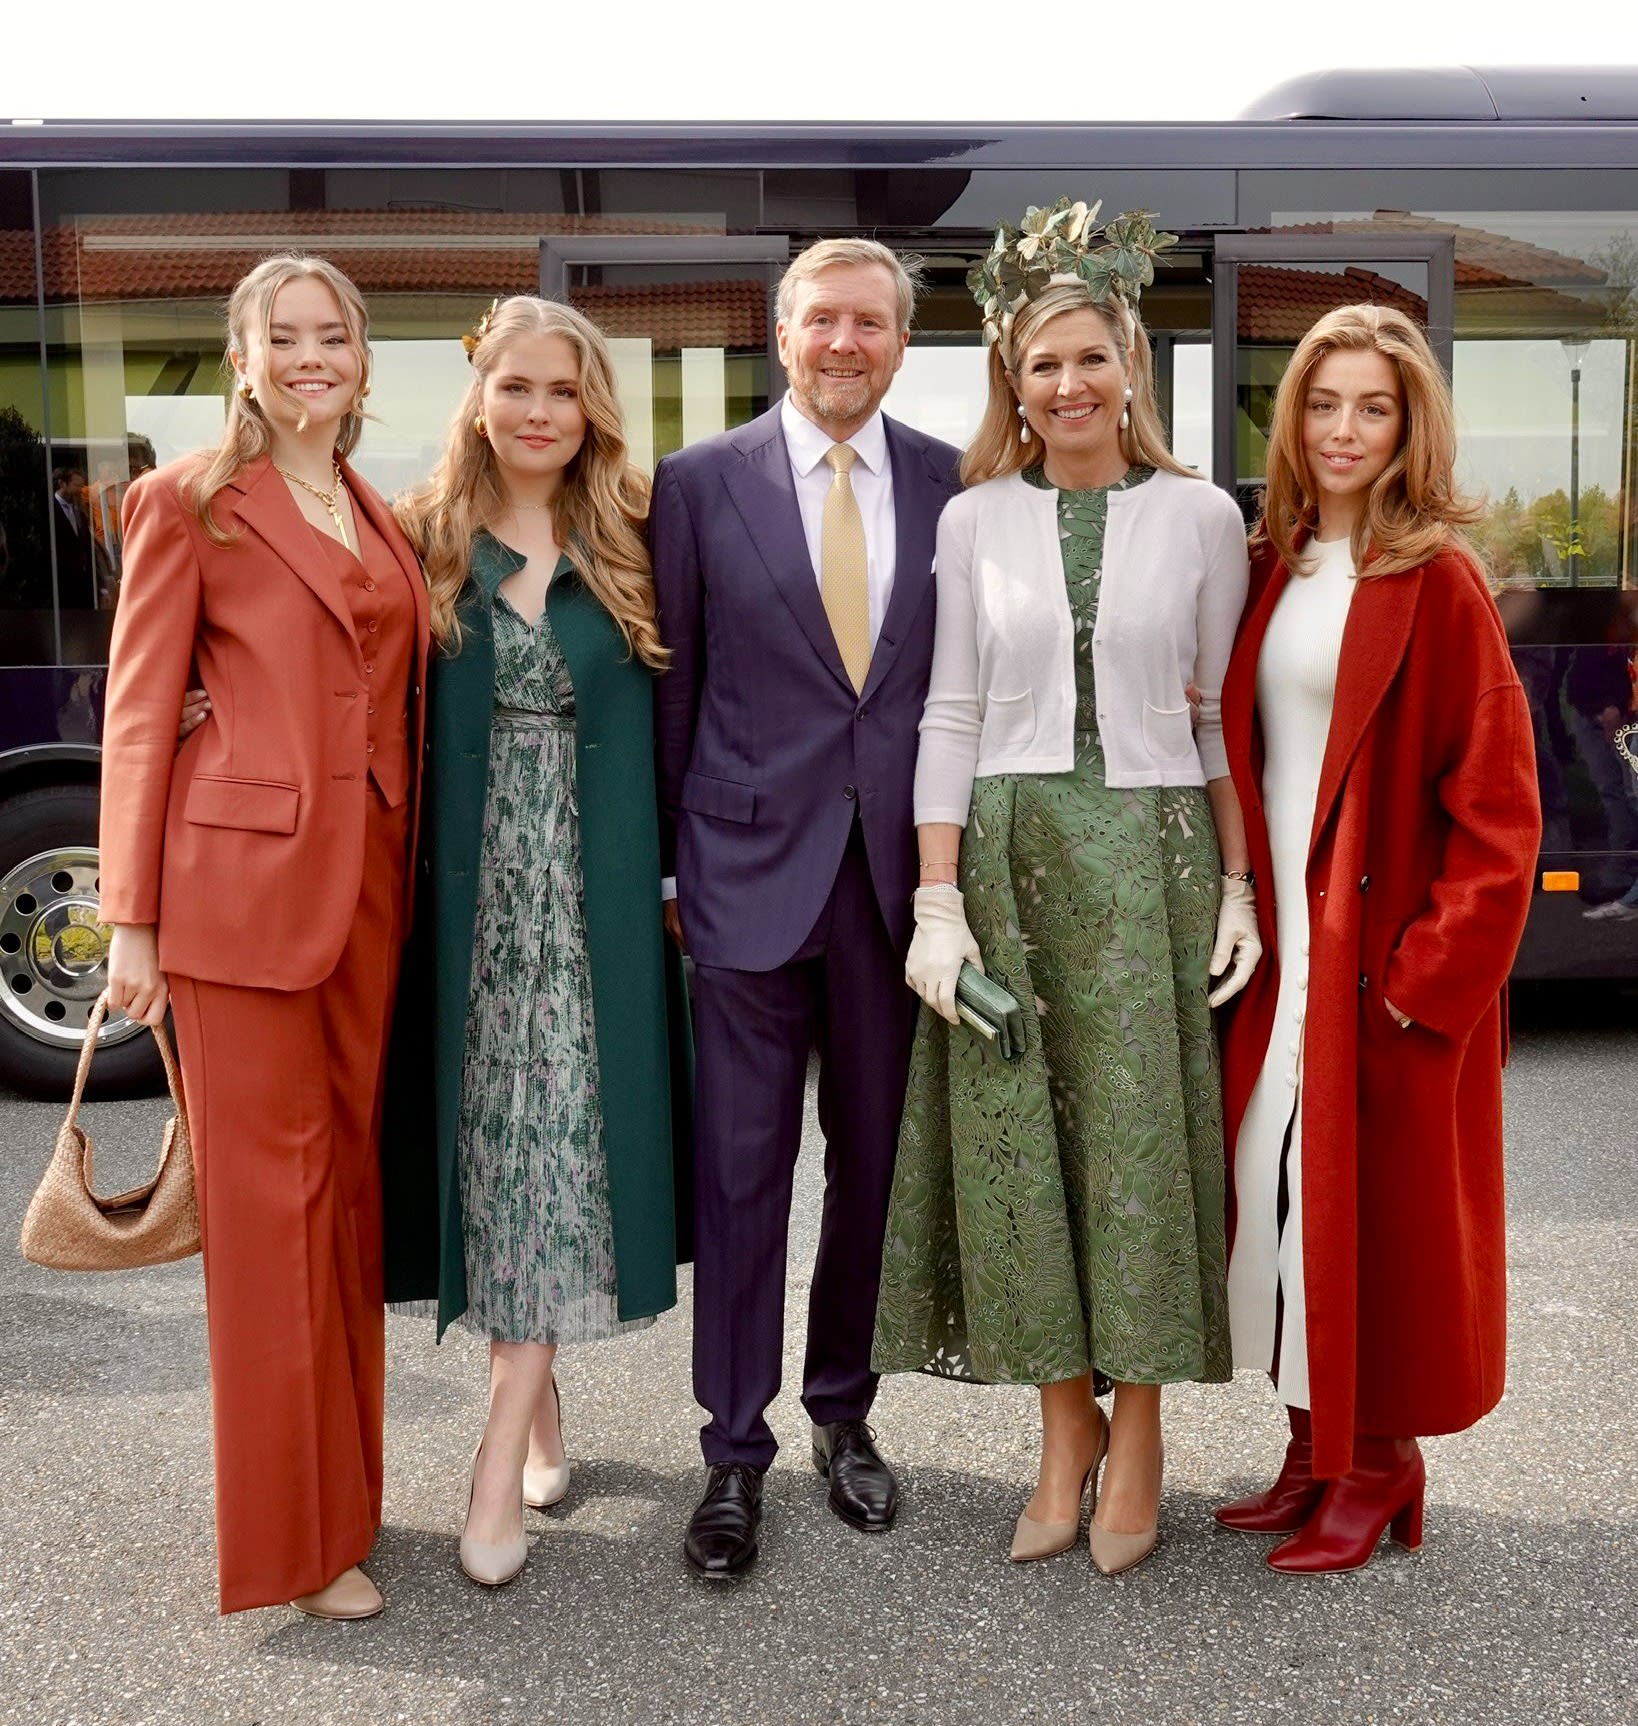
(643, 1049)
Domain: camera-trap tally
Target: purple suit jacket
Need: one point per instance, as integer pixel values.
(765, 752)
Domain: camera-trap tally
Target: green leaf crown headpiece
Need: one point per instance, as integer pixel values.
(1058, 243)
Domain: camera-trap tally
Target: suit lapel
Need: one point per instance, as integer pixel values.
(764, 493)
(918, 497)
(1374, 640)
(370, 501)
(267, 508)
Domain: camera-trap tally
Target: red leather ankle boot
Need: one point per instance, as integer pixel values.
(1383, 1490)
(1285, 1506)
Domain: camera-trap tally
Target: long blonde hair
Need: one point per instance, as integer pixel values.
(1414, 510)
(598, 514)
(996, 448)
(247, 436)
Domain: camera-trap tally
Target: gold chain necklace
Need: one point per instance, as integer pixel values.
(331, 500)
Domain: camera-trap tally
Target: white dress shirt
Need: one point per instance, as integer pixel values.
(872, 477)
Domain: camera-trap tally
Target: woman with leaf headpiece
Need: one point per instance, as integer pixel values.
(1081, 843)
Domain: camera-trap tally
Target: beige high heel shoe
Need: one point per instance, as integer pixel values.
(548, 1484)
(1032, 1539)
(1113, 1553)
(492, 1563)
(351, 1595)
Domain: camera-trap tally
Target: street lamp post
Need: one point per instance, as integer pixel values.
(1575, 351)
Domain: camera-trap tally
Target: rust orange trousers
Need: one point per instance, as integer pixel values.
(284, 1102)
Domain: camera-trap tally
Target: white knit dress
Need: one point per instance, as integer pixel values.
(1296, 684)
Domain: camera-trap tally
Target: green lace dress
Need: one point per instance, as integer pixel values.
(539, 1233)
(1066, 1211)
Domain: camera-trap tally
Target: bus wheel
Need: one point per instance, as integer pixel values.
(53, 952)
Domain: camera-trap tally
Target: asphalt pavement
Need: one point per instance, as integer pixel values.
(1521, 1607)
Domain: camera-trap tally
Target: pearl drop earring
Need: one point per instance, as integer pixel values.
(1126, 412)
(1023, 424)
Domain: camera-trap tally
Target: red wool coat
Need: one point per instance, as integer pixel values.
(1426, 831)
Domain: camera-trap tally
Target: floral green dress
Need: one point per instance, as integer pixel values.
(1065, 1212)
(539, 1233)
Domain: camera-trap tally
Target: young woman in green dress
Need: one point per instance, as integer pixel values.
(529, 1173)
(1081, 841)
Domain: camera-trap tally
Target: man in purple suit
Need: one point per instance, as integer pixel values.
(793, 561)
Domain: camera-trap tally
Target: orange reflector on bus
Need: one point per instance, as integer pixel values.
(1561, 880)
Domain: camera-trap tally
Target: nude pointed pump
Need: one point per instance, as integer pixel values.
(492, 1563)
(1112, 1553)
(548, 1484)
(351, 1595)
(1032, 1539)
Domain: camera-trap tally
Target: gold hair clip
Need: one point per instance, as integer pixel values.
(1058, 243)
(479, 330)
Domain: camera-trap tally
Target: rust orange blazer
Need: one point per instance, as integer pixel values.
(246, 847)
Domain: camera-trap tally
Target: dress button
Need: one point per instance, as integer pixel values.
(1302, 982)
(849, 792)
(1364, 981)
(1364, 883)
(369, 668)
(369, 587)
(374, 626)
(369, 749)
(371, 710)
(1293, 1048)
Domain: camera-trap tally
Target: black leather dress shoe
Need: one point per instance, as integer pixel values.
(721, 1538)
(863, 1491)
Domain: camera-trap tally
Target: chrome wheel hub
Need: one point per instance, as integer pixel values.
(54, 948)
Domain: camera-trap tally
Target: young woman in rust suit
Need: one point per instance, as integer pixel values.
(1380, 743)
(258, 879)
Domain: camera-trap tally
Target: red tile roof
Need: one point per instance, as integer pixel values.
(1483, 259)
(1277, 304)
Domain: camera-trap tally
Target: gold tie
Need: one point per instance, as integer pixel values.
(843, 561)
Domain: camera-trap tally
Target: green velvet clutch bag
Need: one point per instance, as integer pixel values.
(991, 1011)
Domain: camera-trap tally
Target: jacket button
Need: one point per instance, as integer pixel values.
(1364, 883)
(849, 792)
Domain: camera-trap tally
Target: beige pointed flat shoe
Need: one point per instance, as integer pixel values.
(1112, 1553)
(1032, 1539)
(351, 1595)
(548, 1485)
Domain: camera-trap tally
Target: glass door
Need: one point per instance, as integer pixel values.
(689, 318)
(1267, 292)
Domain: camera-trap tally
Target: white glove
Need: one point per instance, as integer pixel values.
(941, 942)
(1237, 939)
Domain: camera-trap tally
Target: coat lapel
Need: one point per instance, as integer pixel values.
(1373, 644)
(918, 497)
(267, 508)
(764, 493)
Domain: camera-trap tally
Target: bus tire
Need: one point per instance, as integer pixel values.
(53, 952)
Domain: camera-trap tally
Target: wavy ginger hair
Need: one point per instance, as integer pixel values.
(597, 516)
(996, 448)
(1414, 510)
(247, 436)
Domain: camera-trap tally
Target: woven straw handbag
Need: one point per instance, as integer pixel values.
(69, 1228)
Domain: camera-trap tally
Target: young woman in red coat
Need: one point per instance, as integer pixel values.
(1379, 740)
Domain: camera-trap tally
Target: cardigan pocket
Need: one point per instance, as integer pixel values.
(1009, 723)
(1168, 733)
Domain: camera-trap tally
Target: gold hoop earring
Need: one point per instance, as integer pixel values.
(480, 426)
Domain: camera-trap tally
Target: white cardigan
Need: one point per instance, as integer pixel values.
(1002, 696)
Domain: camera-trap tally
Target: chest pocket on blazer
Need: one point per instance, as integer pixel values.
(252, 805)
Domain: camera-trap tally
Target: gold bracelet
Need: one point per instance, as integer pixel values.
(940, 863)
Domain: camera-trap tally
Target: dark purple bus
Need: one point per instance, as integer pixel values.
(1500, 208)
